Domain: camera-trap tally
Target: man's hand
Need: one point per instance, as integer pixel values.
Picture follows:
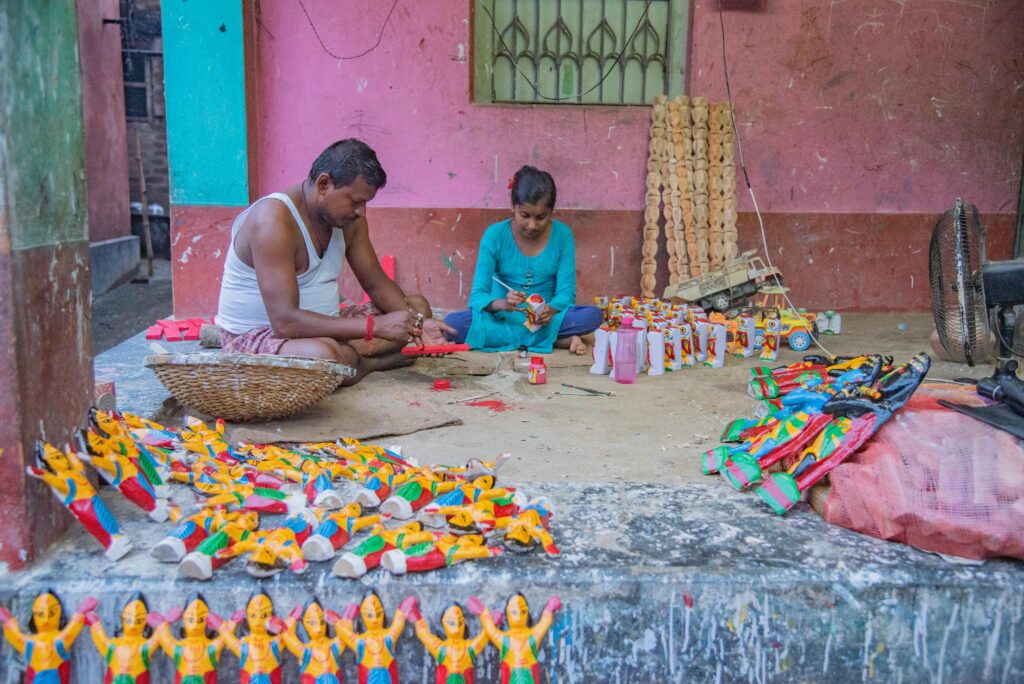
(397, 326)
(545, 316)
(433, 332)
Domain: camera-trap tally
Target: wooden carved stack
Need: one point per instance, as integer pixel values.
(691, 185)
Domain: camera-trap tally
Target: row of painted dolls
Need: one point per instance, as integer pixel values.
(196, 647)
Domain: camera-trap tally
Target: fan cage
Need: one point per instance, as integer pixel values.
(956, 254)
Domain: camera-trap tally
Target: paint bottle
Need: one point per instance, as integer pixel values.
(538, 371)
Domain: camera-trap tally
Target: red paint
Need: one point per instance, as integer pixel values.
(434, 349)
(688, 600)
(496, 405)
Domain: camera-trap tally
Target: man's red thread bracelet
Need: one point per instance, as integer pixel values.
(369, 328)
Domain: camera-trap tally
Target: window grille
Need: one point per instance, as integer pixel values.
(612, 52)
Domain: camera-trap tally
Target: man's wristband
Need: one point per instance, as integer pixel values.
(369, 328)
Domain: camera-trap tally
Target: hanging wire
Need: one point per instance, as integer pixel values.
(533, 86)
(365, 52)
(746, 179)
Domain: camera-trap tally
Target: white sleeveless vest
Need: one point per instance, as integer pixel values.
(241, 306)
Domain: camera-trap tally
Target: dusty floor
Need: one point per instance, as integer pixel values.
(652, 431)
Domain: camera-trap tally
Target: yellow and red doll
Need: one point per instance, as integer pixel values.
(374, 646)
(259, 652)
(128, 653)
(319, 657)
(196, 652)
(520, 643)
(455, 655)
(47, 645)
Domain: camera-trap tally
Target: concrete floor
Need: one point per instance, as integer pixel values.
(666, 575)
(652, 431)
(125, 310)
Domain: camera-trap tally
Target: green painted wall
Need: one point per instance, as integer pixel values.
(204, 75)
(42, 158)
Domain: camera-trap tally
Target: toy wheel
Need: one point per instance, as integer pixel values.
(799, 340)
(720, 302)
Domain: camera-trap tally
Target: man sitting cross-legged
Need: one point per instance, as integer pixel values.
(279, 294)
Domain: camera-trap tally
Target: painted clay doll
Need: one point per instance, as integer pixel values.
(455, 655)
(47, 645)
(375, 645)
(444, 551)
(259, 652)
(196, 652)
(335, 531)
(366, 555)
(191, 531)
(251, 497)
(120, 471)
(201, 563)
(319, 657)
(107, 435)
(520, 643)
(128, 653)
(271, 551)
(65, 475)
(416, 493)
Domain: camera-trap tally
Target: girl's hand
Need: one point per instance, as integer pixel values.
(546, 315)
(515, 300)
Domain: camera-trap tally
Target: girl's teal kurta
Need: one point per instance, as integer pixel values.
(551, 274)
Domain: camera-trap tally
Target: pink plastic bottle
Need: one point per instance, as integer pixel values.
(626, 355)
(538, 371)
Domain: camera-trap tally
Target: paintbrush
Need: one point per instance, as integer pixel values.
(504, 285)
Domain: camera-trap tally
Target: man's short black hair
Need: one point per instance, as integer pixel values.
(348, 159)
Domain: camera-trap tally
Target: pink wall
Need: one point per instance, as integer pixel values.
(872, 105)
(862, 106)
(106, 154)
(862, 120)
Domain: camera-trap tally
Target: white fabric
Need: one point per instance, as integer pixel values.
(241, 306)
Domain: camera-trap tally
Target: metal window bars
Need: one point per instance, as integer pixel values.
(613, 52)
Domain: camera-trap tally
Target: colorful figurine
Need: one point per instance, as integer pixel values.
(770, 343)
(375, 645)
(196, 652)
(520, 643)
(259, 652)
(107, 435)
(271, 551)
(319, 657)
(455, 655)
(119, 471)
(128, 654)
(441, 552)
(47, 646)
(201, 563)
(366, 555)
(335, 531)
(191, 531)
(65, 475)
(416, 493)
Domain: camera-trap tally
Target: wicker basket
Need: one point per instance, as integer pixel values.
(247, 387)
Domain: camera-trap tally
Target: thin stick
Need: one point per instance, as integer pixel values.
(593, 392)
(471, 398)
(507, 287)
(146, 234)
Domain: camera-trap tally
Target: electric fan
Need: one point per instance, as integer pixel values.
(972, 298)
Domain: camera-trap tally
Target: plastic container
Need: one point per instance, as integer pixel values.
(626, 362)
(538, 371)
